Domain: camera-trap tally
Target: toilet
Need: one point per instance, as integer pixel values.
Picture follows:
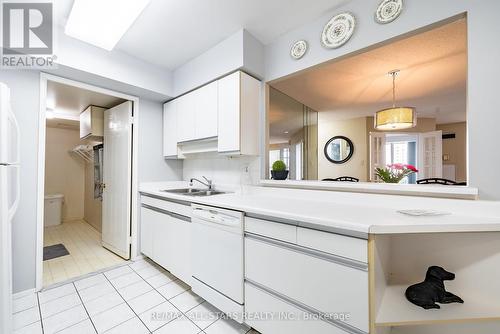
(53, 209)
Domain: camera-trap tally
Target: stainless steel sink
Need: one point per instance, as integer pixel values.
(183, 191)
(194, 192)
(208, 193)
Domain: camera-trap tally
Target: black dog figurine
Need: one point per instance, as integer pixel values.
(431, 291)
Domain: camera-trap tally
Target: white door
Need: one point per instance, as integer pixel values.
(430, 152)
(377, 153)
(117, 174)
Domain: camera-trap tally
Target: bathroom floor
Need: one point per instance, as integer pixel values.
(138, 297)
(86, 255)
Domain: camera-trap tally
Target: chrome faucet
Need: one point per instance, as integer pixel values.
(209, 183)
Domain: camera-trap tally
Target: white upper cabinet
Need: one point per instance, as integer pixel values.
(186, 106)
(92, 122)
(170, 129)
(206, 106)
(239, 97)
(222, 116)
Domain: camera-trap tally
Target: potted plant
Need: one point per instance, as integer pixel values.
(279, 171)
(394, 173)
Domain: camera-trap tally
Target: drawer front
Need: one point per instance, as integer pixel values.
(271, 315)
(341, 245)
(271, 229)
(175, 207)
(325, 283)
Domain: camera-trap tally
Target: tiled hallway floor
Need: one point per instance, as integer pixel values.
(86, 255)
(139, 297)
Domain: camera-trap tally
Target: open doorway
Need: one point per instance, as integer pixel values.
(87, 185)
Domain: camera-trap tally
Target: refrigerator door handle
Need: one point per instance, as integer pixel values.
(17, 132)
(15, 204)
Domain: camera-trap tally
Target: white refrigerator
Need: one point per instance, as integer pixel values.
(9, 199)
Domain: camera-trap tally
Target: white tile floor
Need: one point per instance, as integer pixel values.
(86, 255)
(138, 297)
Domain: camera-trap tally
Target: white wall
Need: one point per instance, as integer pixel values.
(113, 65)
(483, 31)
(64, 172)
(24, 86)
(355, 130)
(223, 170)
(152, 165)
(239, 51)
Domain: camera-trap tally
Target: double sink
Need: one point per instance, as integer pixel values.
(194, 192)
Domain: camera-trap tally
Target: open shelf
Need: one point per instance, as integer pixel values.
(399, 260)
(396, 310)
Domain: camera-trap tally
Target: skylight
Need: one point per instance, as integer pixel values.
(103, 22)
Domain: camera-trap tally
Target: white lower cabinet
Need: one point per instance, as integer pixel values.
(165, 239)
(269, 314)
(149, 220)
(324, 282)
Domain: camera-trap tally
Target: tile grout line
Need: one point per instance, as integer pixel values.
(86, 311)
(171, 302)
(39, 311)
(136, 315)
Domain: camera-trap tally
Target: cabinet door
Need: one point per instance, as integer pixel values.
(229, 113)
(148, 221)
(86, 122)
(170, 129)
(206, 111)
(181, 266)
(186, 117)
(171, 246)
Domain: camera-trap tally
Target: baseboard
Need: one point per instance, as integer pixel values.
(24, 293)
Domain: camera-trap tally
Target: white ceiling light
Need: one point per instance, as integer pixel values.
(103, 22)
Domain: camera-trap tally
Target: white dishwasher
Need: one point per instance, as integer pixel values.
(217, 258)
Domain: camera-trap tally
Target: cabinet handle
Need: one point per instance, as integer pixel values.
(340, 260)
(168, 213)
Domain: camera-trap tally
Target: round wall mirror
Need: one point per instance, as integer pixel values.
(339, 149)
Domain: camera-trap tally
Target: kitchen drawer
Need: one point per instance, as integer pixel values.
(322, 281)
(183, 209)
(270, 314)
(271, 229)
(341, 245)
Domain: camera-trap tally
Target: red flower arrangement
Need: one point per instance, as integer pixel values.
(394, 173)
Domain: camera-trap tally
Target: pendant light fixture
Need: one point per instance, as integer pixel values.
(395, 118)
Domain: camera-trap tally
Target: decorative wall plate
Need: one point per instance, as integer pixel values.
(338, 30)
(298, 49)
(388, 11)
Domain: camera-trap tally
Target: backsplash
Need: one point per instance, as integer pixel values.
(223, 170)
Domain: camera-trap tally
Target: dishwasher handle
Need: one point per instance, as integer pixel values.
(215, 217)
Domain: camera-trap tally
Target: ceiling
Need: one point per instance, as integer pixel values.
(169, 33)
(67, 102)
(433, 78)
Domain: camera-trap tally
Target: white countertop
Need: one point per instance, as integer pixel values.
(350, 213)
(424, 190)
